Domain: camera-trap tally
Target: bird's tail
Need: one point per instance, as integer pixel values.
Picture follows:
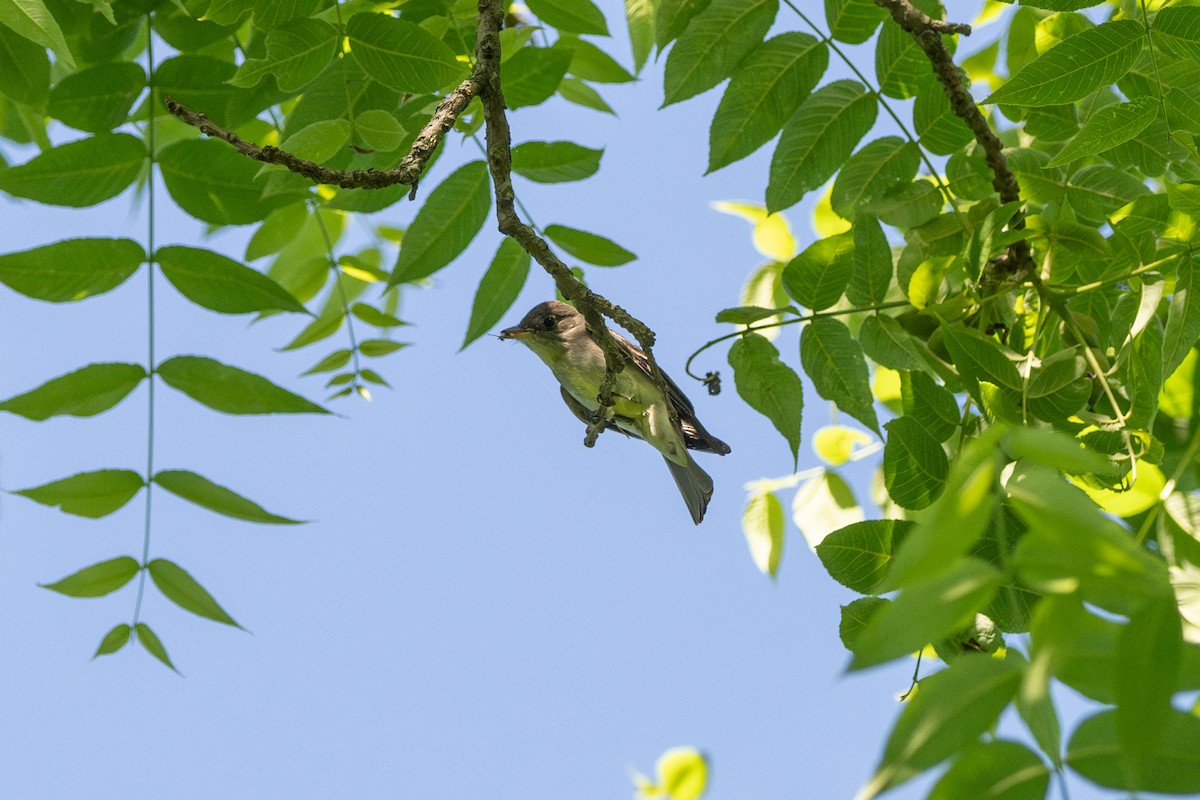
(694, 484)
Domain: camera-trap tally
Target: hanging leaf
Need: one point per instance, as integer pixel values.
(833, 360)
(555, 162)
(184, 591)
(498, 289)
(589, 247)
(206, 494)
(154, 646)
(763, 526)
(98, 579)
(219, 283)
(71, 269)
(113, 641)
(88, 494)
(83, 393)
(769, 386)
(572, 16)
(713, 45)
(231, 390)
(451, 217)
(80, 173)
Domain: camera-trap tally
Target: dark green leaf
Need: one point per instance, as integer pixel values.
(714, 44)
(940, 130)
(855, 616)
(149, 640)
(533, 74)
(88, 494)
(80, 173)
(452, 215)
(914, 464)
(219, 283)
(572, 16)
(24, 70)
(929, 404)
(214, 183)
(98, 579)
(1107, 128)
(98, 98)
(818, 276)
(1183, 316)
(769, 386)
(834, 361)
(1177, 29)
(763, 94)
(72, 269)
(872, 171)
(857, 556)
(555, 162)
(981, 357)
(853, 21)
(873, 270)
(998, 770)
(206, 494)
(33, 21)
(184, 591)
(589, 247)
(673, 17)
(83, 393)
(270, 13)
(901, 67)
(1147, 673)
(114, 640)
(498, 288)
(300, 51)
(1170, 766)
(231, 390)
(401, 55)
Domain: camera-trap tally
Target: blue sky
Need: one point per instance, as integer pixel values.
(482, 607)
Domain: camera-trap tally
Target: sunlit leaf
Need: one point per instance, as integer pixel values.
(206, 494)
(98, 579)
(450, 218)
(589, 247)
(80, 173)
(768, 386)
(178, 586)
(498, 289)
(231, 390)
(762, 524)
(401, 55)
(88, 494)
(82, 393)
(713, 45)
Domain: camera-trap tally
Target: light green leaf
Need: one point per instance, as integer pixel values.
(533, 74)
(401, 55)
(888, 344)
(206, 494)
(1170, 766)
(853, 21)
(97, 99)
(71, 269)
(762, 525)
(452, 215)
(873, 270)
(927, 612)
(88, 494)
(555, 162)
(997, 770)
(714, 44)
(673, 17)
(590, 63)
(98, 579)
(373, 316)
(114, 640)
(335, 360)
(80, 173)
(271, 13)
(572, 16)
(1076, 67)
(280, 227)
(825, 502)
(639, 15)
(498, 289)
(154, 646)
(914, 464)
(319, 141)
(834, 361)
(32, 20)
(818, 276)
(1107, 128)
(872, 171)
(763, 94)
(214, 183)
(769, 386)
(929, 404)
(83, 393)
(380, 129)
(589, 247)
(219, 283)
(858, 555)
(184, 591)
(231, 390)
(373, 348)
(576, 91)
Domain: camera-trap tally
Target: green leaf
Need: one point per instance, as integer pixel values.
(853, 21)
(939, 129)
(1177, 30)
(97, 99)
(114, 640)
(926, 612)
(576, 91)
(572, 16)
(88, 494)
(1075, 67)
(319, 141)
(98, 579)
(401, 55)
(24, 70)
(855, 616)
(83, 393)
(673, 17)
(71, 269)
(231, 390)
(818, 276)
(981, 357)
(763, 527)
(452, 215)
(590, 63)
(280, 227)
(380, 129)
(533, 74)
(834, 361)
(857, 556)
(33, 21)
(929, 404)
(745, 315)
(999, 770)
(714, 44)
(639, 15)
(379, 347)
(206, 494)
(335, 360)
(184, 591)
(763, 94)
(1147, 672)
(80, 173)
(879, 166)
(214, 183)
(1183, 316)
(1107, 128)
(271, 13)
(951, 708)
(555, 162)
(818, 140)
(1171, 766)
(769, 386)
(498, 289)
(589, 247)
(914, 464)
(873, 270)
(373, 316)
(825, 502)
(154, 646)
(296, 54)
(219, 283)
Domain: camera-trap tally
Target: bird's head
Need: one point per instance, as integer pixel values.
(547, 327)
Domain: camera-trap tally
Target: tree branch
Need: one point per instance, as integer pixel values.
(927, 33)
(406, 173)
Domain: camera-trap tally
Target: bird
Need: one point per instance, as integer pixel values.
(558, 334)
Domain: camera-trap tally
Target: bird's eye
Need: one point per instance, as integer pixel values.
(548, 323)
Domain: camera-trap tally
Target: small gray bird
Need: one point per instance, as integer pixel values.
(559, 335)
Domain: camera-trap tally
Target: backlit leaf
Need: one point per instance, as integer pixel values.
(98, 579)
(71, 269)
(768, 386)
(178, 586)
(206, 494)
(231, 390)
(88, 494)
(83, 393)
(450, 218)
(498, 288)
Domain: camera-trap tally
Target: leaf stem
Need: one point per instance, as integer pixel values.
(341, 289)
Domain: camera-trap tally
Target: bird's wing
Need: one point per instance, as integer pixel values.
(694, 434)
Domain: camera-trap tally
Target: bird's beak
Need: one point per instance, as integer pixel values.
(515, 332)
